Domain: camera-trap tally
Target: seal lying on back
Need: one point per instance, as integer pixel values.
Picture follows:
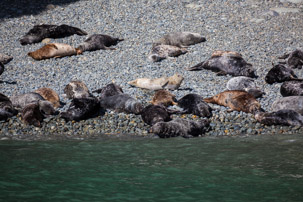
(226, 62)
(294, 59)
(4, 59)
(292, 102)
(122, 103)
(109, 90)
(279, 73)
(6, 108)
(54, 50)
(292, 88)
(97, 42)
(164, 97)
(244, 83)
(76, 89)
(194, 104)
(171, 83)
(236, 100)
(180, 39)
(40, 32)
(81, 109)
(161, 52)
(49, 95)
(152, 114)
(180, 127)
(282, 117)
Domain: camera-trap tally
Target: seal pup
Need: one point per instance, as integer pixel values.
(292, 88)
(4, 59)
(161, 52)
(180, 39)
(294, 59)
(164, 97)
(279, 73)
(76, 89)
(81, 109)
(236, 100)
(121, 103)
(20, 101)
(180, 127)
(109, 90)
(97, 42)
(54, 50)
(32, 115)
(244, 83)
(285, 117)
(49, 95)
(152, 114)
(292, 102)
(194, 104)
(40, 32)
(226, 62)
(171, 83)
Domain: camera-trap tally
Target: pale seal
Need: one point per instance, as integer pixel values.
(161, 52)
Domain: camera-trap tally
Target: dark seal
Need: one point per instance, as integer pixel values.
(292, 88)
(152, 114)
(7, 109)
(282, 117)
(32, 115)
(109, 90)
(98, 42)
(280, 73)
(194, 104)
(294, 59)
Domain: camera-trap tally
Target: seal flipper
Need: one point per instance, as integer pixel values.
(1, 68)
(196, 67)
(165, 84)
(221, 73)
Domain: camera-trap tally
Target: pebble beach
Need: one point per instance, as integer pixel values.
(260, 30)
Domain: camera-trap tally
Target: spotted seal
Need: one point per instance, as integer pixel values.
(226, 62)
(76, 89)
(40, 32)
(281, 117)
(54, 50)
(98, 42)
(161, 52)
(292, 102)
(244, 83)
(171, 83)
(292, 88)
(280, 73)
(194, 104)
(294, 59)
(50, 95)
(164, 97)
(236, 100)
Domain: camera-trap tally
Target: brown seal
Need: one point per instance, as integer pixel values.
(50, 95)
(54, 50)
(236, 100)
(164, 97)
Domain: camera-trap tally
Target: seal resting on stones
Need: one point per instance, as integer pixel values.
(180, 127)
(98, 42)
(81, 109)
(292, 88)
(76, 89)
(164, 97)
(54, 50)
(226, 62)
(244, 83)
(122, 103)
(236, 100)
(194, 104)
(40, 32)
(180, 39)
(49, 95)
(161, 52)
(4, 59)
(171, 83)
(292, 102)
(281, 117)
(32, 115)
(279, 73)
(20, 101)
(109, 90)
(7, 109)
(294, 59)
(152, 114)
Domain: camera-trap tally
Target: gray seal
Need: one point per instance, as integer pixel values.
(98, 42)
(244, 83)
(294, 59)
(292, 88)
(285, 117)
(292, 102)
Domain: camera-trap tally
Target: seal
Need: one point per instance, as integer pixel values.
(292, 88)
(180, 39)
(54, 50)
(4, 59)
(20, 101)
(46, 108)
(161, 52)
(164, 97)
(4, 115)
(180, 127)
(236, 100)
(7, 109)
(244, 83)
(81, 109)
(292, 102)
(280, 73)
(122, 103)
(194, 104)
(109, 90)
(171, 83)
(281, 117)
(76, 89)
(98, 42)
(152, 114)
(32, 115)
(49, 95)
(40, 32)
(294, 59)
(226, 62)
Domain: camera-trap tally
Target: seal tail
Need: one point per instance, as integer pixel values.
(196, 67)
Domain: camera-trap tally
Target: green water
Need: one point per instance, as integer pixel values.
(203, 169)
